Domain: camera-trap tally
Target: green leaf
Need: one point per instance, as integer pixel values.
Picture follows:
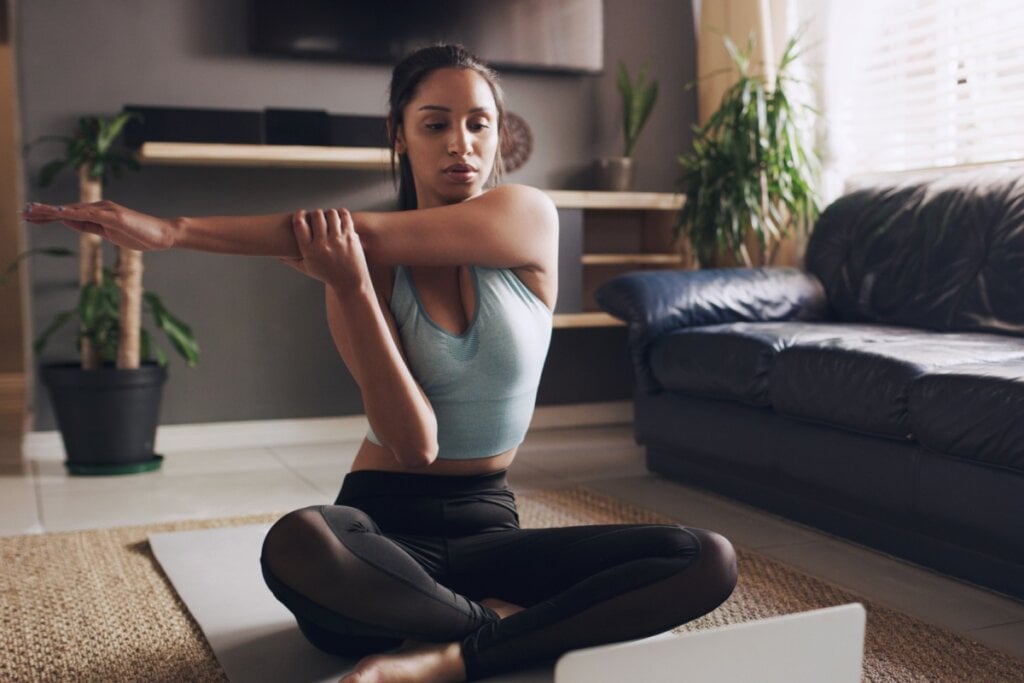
(44, 251)
(178, 333)
(638, 100)
(97, 168)
(148, 349)
(44, 338)
(89, 304)
(50, 171)
(161, 357)
(92, 145)
(111, 130)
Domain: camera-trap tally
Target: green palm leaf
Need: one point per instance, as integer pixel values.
(748, 173)
(638, 100)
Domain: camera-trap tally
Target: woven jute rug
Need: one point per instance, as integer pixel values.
(95, 606)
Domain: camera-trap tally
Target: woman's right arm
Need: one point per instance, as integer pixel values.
(267, 235)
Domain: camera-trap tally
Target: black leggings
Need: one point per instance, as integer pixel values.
(409, 556)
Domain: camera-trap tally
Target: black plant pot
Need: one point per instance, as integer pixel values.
(107, 417)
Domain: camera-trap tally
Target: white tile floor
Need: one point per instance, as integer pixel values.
(217, 483)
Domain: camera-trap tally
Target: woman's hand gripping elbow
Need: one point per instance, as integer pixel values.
(365, 335)
(329, 249)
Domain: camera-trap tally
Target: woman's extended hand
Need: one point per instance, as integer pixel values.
(113, 222)
(330, 248)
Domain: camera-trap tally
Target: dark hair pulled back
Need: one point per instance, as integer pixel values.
(405, 81)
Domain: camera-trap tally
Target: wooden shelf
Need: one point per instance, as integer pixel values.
(631, 259)
(364, 158)
(287, 156)
(564, 320)
(653, 201)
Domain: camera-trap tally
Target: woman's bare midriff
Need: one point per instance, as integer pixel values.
(374, 457)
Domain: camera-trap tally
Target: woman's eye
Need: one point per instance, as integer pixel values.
(479, 126)
(435, 126)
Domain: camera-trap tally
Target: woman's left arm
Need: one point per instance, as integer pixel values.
(511, 226)
(365, 335)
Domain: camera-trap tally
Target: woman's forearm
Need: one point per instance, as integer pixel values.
(267, 235)
(398, 410)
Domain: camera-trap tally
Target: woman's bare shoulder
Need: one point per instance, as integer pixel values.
(516, 192)
(526, 202)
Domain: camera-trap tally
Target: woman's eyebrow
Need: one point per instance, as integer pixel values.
(438, 107)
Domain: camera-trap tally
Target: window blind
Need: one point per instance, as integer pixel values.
(942, 85)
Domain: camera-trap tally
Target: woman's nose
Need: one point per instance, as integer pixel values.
(459, 143)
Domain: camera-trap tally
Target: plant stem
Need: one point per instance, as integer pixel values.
(90, 256)
(129, 281)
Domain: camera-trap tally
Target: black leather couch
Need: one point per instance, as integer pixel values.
(877, 394)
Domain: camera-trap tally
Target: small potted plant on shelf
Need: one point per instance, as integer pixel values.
(107, 403)
(750, 177)
(638, 98)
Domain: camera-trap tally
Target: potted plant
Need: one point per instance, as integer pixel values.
(107, 403)
(638, 97)
(750, 178)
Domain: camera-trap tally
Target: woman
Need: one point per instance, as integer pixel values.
(442, 313)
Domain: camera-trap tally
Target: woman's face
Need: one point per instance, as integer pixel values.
(450, 136)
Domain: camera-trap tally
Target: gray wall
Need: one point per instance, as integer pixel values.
(266, 350)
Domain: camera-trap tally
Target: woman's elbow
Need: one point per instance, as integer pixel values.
(415, 448)
(417, 455)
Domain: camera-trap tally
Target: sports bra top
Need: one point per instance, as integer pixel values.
(482, 383)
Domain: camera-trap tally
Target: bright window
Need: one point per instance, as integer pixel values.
(941, 84)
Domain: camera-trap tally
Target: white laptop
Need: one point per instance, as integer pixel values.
(825, 645)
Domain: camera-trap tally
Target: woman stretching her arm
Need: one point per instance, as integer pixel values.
(442, 313)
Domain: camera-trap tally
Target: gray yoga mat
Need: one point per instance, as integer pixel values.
(216, 572)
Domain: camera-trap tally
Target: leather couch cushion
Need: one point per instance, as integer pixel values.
(655, 303)
(863, 383)
(732, 361)
(943, 253)
(974, 411)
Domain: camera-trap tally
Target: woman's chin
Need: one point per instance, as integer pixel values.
(461, 193)
(451, 194)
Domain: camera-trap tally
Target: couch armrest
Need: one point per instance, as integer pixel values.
(654, 303)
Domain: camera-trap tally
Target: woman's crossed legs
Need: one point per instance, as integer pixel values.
(356, 589)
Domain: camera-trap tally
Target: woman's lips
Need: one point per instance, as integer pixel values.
(461, 173)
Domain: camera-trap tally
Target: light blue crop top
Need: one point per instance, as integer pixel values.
(482, 383)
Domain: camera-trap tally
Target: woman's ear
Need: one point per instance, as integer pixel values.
(396, 135)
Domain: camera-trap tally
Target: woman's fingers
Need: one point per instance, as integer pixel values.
(77, 225)
(325, 240)
(322, 231)
(74, 211)
(346, 221)
(300, 226)
(80, 217)
(334, 223)
(42, 213)
(318, 225)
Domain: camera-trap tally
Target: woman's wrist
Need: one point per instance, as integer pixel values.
(349, 292)
(177, 228)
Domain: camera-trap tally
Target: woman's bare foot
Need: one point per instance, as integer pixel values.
(424, 663)
(420, 661)
(504, 609)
